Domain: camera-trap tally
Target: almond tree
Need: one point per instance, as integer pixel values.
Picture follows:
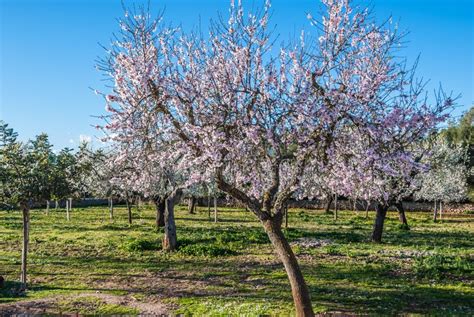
(446, 181)
(255, 116)
(150, 172)
(386, 175)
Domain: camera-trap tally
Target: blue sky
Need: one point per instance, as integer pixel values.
(48, 50)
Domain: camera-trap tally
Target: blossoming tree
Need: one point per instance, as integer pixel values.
(446, 181)
(255, 117)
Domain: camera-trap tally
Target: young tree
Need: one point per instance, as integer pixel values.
(8, 139)
(22, 181)
(229, 108)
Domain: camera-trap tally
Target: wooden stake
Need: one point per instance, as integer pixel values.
(215, 209)
(67, 210)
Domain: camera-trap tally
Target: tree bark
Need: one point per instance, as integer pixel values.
(381, 212)
(215, 209)
(335, 206)
(24, 253)
(170, 239)
(56, 206)
(160, 204)
(435, 214)
(191, 204)
(272, 224)
(299, 289)
(367, 210)
(47, 207)
(401, 213)
(328, 204)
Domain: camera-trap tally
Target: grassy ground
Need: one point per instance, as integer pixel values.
(229, 268)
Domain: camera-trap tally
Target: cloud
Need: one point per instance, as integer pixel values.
(71, 141)
(85, 138)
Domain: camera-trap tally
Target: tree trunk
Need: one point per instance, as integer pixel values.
(191, 204)
(335, 206)
(401, 213)
(299, 289)
(170, 239)
(367, 210)
(111, 208)
(56, 206)
(435, 214)
(70, 204)
(215, 209)
(381, 212)
(24, 253)
(160, 204)
(328, 204)
(129, 208)
(47, 207)
(67, 210)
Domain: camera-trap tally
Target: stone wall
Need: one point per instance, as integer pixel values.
(306, 204)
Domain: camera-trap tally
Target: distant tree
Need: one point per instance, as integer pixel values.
(7, 135)
(44, 158)
(100, 182)
(8, 138)
(63, 186)
(205, 189)
(122, 179)
(462, 133)
(446, 181)
(152, 173)
(83, 171)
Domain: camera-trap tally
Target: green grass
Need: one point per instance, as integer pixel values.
(229, 267)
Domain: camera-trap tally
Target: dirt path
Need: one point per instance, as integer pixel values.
(50, 305)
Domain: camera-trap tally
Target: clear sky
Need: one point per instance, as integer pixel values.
(48, 50)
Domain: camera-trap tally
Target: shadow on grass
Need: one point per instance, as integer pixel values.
(219, 220)
(387, 301)
(372, 289)
(412, 238)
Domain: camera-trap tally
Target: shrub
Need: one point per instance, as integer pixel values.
(211, 250)
(140, 244)
(243, 237)
(403, 227)
(438, 266)
(333, 250)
